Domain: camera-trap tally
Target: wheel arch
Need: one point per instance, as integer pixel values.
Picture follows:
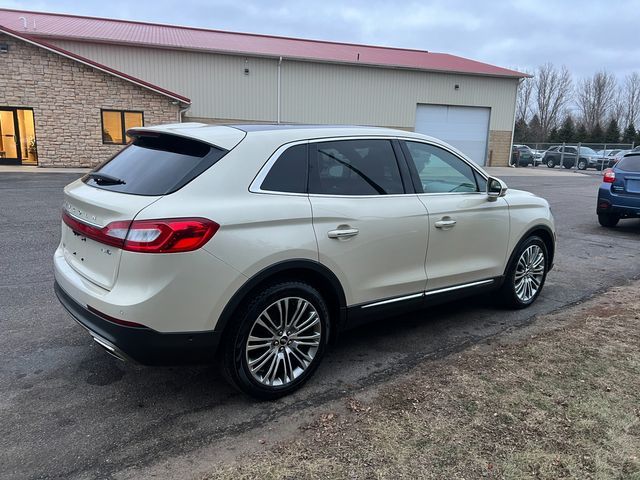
(308, 271)
(547, 236)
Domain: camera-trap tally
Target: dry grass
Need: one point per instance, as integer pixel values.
(561, 401)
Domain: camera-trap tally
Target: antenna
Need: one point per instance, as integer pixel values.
(24, 22)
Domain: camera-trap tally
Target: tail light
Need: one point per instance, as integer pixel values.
(170, 235)
(609, 176)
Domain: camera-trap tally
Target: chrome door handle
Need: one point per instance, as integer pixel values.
(445, 224)
(343, 233)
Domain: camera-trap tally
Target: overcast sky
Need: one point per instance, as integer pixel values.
(584, 35)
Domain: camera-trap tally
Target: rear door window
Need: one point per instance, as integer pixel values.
(630, 164)
(354, 167)
(155, 165)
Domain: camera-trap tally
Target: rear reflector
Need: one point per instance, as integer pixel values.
(609, 176)
(171, 235)
(124, 323)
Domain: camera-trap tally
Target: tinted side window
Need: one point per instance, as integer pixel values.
(289, 172)
(441, 171)
(355, 167)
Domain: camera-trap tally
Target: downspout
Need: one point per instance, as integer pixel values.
(513, 125)
(181, 112)
(279, 85)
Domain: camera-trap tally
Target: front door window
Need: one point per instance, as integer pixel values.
(17, 136)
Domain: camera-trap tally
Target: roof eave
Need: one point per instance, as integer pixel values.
(515, 75)
(80, 59)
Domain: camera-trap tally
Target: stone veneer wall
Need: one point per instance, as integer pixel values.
(66, 97)
(499, 148)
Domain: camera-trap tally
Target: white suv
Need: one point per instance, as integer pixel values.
(256, 245)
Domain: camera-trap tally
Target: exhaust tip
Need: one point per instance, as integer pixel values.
(110, 348)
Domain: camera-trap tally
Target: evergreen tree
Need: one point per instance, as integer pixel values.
(612, 135)
(553, 136)
(581, 133)
(629, 134)
(567, 132)
(521, 131)
(535, 129)
(597, 134)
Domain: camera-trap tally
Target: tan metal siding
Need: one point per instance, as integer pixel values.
(311, 92)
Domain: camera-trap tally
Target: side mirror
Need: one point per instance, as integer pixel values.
(496, 188)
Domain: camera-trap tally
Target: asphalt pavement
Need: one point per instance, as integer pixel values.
(68, 410)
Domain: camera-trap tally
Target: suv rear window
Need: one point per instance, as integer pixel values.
(156, 165)
(630, 163)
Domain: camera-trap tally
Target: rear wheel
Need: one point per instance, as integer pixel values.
(277, 341)
(526, 276)
(608, 219)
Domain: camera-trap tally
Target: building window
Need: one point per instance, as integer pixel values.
(115, 124)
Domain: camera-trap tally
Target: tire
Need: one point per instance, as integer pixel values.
(262, 319)
(526, 270)
(608, 220)
(582, 164)
(551, 163)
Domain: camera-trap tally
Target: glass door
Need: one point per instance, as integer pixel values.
(17, 137)
(9, 152)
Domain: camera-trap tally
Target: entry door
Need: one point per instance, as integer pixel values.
(17, 136)
(370, 233)
(468, 234)
(9, 136)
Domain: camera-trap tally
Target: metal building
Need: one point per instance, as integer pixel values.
(236, 77)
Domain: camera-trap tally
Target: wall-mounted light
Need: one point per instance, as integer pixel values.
(456, 87)
(246, 66)
(4, 48)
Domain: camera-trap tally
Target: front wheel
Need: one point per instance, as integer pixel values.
(277, 341)
(551, 163)
(526, 276)
(582, 165)
(609, 220)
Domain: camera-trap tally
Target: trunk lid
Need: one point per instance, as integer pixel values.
(96, 261)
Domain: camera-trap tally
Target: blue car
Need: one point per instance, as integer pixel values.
(619, 194)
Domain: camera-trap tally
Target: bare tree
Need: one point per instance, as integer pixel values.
(552, 93)
(629, 100)
(595, 97)
(523, 104)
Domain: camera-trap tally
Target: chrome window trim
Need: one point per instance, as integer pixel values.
(255, 186)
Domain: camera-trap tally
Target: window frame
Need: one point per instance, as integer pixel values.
(405, 174)
(122, 124)
(416, 177)
(280, 152)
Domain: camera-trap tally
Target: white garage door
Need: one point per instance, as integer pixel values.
(466, 128)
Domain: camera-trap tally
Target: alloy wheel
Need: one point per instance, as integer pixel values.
(529, 273)
(283, 341)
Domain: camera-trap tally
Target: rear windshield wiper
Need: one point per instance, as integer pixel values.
(104, 179)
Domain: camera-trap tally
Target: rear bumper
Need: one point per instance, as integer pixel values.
(142, 345)
(624, 205)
